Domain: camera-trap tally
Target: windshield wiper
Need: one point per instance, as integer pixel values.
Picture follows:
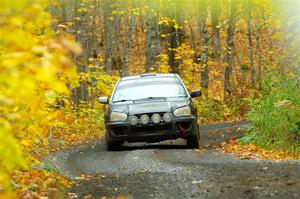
(181, 96)
(151, 98)
(123, 100)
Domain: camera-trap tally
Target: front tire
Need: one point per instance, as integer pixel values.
(193, 142)
(113, 146)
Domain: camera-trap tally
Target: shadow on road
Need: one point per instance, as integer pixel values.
(210, 135)
(169, 144)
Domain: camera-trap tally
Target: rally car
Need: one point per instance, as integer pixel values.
(150, 108)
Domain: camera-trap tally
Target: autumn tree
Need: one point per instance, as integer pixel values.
(215, 7)
(153, 47)
(204, 43)
(229, 58)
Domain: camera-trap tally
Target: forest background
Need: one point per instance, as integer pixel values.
(58, 56)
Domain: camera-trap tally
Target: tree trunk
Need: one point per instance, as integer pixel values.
(173, 44)
(131, 27)
(204, 45)
(81, 32)
(93, 40)
(152, 38)
(176, 34)
(81, 28)
(63, 12)
(230, 48)
(250, 49)
(258, 53)
(215, 12)
(108, 26)
(196, 58)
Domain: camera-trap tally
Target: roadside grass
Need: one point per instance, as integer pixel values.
(276, 116)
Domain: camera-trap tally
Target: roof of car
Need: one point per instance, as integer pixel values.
(147, 75)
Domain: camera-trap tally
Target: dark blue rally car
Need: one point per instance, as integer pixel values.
(150, 108)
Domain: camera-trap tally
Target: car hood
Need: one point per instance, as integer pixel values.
(149, 106)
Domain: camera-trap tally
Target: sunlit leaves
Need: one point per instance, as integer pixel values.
(165, 21)
(10, 152)
(251, 151)
(35, 68)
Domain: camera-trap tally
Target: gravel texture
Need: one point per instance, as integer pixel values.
(170, 170)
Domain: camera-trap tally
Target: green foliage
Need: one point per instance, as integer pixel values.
(211, 110)
(276, 115)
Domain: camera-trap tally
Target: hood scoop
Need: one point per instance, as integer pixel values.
(151, 107)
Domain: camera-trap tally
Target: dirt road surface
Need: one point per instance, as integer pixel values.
(170, 170)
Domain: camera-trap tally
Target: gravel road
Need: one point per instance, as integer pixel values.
(170, 170)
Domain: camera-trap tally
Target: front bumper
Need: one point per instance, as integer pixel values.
(123, 131)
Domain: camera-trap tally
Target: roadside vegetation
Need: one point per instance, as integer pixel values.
(276, 115)
(57, 57)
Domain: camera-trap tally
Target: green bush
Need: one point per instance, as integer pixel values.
(211, 111)
(276, 115)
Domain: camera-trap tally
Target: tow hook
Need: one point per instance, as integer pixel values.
(183, 132)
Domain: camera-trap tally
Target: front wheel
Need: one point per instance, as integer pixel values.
(193, 142)
(113, 146)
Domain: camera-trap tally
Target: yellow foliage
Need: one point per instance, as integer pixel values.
(162, 64)
(32, 58)
(251, 151)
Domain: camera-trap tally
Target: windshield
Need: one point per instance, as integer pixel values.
(149, 88)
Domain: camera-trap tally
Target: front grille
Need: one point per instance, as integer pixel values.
(150, 114)
(151, 128)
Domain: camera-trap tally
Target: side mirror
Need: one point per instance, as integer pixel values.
(103, 100)
(196, 93)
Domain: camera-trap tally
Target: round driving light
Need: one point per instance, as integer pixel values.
(144, 119)
(167, 117)
(134, 120)
(155, 118)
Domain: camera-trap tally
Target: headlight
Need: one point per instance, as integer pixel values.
(184, 111)
(117, 117)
